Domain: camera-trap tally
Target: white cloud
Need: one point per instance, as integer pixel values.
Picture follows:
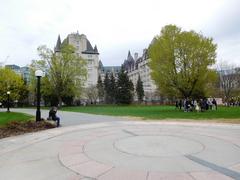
(115, 26)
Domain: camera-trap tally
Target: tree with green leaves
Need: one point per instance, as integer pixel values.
(107, 89)
(139, 89)
(112, 90)
(124, 89)
(12, 82)
(65, 73)
(180, 62)
(100, 89)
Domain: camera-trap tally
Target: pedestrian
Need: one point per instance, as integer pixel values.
(197, 107)
(176, 104)
(185, 105)
(180, 104)
(209, 101)
(201, 104)
(214, 103)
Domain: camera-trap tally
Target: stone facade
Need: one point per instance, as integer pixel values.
(135, 66)
(85, 50)
(108, 69)
(138, 66)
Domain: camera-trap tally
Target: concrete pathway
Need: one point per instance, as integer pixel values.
(71, 118)
(124, 150)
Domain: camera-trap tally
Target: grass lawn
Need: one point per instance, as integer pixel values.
(223, 114)
(6, 117)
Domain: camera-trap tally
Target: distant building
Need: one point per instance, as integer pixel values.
(138, 66)
(85, 50)
(108, 69)
(24, 72)
(14, 67)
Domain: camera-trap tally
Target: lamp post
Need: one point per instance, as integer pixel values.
(8, 101)
(38, 74)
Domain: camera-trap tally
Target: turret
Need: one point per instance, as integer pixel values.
(58, 45)
(95, 49)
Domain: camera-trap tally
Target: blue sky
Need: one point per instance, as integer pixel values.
(114, 26)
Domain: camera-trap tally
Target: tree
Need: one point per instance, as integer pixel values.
(125, 88)
(112, 89)
(107, 89)
(23, 94)
(139, 89)
(92, 94)
(100, 89)
(238, 76)
(180, 62)
(65, 72)
(228, 79)
(10, 81)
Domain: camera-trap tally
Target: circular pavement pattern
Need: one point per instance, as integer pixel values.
(158, 146)
(155, 151)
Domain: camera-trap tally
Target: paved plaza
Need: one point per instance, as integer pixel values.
(121, 149)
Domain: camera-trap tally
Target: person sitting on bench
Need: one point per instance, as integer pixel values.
(53, 116)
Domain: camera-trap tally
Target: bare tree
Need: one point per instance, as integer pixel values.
(92, 94)
(238, 77)
(228, 79)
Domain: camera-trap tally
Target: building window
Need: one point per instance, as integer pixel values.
(90, 61)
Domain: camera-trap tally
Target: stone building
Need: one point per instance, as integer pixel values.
(138, 66)
(85, 50)
(135, 66)
(108, 69)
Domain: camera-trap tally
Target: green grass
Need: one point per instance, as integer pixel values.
(160, 112)
(6, 117)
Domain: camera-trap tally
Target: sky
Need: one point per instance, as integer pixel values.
(115, 26)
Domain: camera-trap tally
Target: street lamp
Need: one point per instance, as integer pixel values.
(8, 101)
(38, 74)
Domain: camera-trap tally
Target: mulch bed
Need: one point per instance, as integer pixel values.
(16, 128)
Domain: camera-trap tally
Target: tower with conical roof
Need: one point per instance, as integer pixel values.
(139, 66)
(57, 48)
(128, 64)
(95, 49)
(85, 50)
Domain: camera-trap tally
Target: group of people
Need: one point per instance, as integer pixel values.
(233, 102)
(196, 105)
